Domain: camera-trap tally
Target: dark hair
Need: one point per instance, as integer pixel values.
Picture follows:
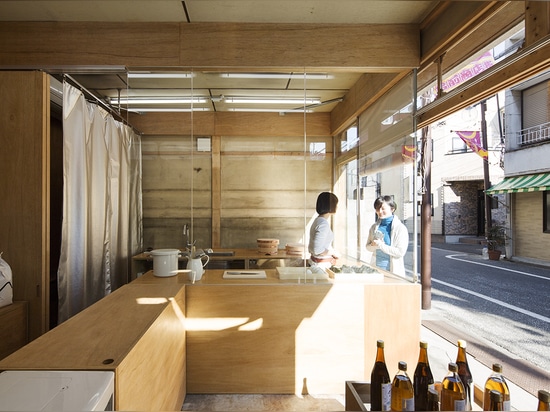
(326, 203)
(385, 199)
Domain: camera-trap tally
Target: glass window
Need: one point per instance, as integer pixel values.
(383, 164)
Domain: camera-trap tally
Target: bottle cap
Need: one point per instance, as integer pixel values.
(453, 367)
(462, 343)
(402, 365)
(497, 367)
(423, 344)
(379, 343)
(544, 396)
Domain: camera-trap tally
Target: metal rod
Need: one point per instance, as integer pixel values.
(100, 102)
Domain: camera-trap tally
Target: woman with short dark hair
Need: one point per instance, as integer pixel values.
(388, 237)
(322, 253)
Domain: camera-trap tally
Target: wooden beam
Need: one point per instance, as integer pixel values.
(43, 44)
(363, 93)
(456, 21)
(386, 47)
(496, 24)
(232, 124)
(321, 46)
(516, 69)
(537, 21)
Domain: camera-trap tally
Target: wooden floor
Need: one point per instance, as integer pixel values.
(264, 403)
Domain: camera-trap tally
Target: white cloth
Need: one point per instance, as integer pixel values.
(320, 240)
(6, 285)
(399, 239)
(102, 215)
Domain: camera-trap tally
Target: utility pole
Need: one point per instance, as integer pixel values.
(426, 221)
(486, 179)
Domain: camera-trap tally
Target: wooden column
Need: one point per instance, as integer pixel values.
(216, 191)
(25, 190)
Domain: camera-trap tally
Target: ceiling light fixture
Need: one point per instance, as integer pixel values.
(156, 100)
(255, 109)
(285, 76)
(274, 100)
(167, 109)
(151, 75)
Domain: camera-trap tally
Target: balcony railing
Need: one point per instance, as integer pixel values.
(534, 134)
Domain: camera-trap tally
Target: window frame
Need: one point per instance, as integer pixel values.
(546, 211)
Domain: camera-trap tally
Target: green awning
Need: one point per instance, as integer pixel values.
(520, 184)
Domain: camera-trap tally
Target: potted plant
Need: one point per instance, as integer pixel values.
(496, 239)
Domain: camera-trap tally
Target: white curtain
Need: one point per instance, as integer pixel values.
(102, 215)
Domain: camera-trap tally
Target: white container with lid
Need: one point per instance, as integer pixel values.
(165, 262)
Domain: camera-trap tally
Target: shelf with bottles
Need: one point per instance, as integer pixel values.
(449, 393)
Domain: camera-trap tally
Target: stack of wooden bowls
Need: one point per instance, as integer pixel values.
(268, 246)
(294, 249)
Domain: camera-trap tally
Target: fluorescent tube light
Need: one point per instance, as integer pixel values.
(156, 100)
(253, 109)
(168, 109)
(254, 100)
(151, 75)
(297, 76)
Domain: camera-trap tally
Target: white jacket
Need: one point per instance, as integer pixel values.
(397, 249)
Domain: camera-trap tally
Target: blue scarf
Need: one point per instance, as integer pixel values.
(383, 259)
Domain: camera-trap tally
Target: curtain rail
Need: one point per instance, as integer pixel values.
(89, 94)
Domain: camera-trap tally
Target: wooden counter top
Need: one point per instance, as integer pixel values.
(89, 339)
(215, 277)
(165, 337)
(239, 254)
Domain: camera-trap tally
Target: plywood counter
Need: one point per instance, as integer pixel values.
(165, 337)
(275, 336)
(137, 332)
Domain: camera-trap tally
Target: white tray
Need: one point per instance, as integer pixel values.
(244, 274)
(299, 273)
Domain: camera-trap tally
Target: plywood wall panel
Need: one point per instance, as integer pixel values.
(231, 124)
(24, 192)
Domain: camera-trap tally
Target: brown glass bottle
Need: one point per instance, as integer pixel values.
(464, 372)
(422, 379)
(402, 391)
(496, 382)
(453, 396)
(380, 383)
(433, 400)
(544, 401)
(495, 401)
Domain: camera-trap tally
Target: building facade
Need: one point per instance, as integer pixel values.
(526, 185)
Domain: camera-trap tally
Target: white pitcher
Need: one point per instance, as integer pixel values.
(196, 265)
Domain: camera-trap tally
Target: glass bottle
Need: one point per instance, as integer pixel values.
(496, 382)
(495, 401)
(402, 391)
(544, 401)
(464, 373)
(453, 396)
(380, 383)
(433, 400)
(422, 379)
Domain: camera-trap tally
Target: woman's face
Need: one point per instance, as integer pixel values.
(384, 211)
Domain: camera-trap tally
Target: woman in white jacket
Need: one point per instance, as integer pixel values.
(388, 238)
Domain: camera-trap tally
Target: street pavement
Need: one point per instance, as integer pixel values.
(442, 348)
